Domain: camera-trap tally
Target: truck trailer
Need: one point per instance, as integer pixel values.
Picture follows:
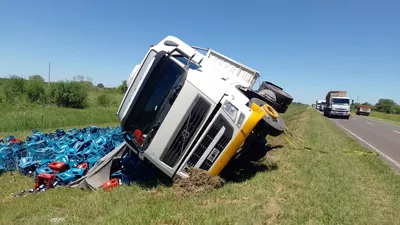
(337, 104)
(184, 110)
(364, 110)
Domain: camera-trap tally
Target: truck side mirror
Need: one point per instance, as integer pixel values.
(170, 43)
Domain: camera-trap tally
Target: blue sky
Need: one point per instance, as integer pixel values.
(306, 47)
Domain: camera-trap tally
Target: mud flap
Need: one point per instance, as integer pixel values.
(101, 171)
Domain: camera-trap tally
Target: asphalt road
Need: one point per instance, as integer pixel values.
(381, 137)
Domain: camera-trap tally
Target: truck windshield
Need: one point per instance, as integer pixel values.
(343, 101)
(149, 110)
(185, 61)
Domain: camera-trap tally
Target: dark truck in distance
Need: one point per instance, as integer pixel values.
(364, 110)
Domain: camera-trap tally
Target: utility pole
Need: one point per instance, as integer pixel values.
(357, 99)
(49, 74)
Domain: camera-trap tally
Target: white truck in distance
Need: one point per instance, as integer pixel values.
(320, 105)
(337, 104)
(184, 109)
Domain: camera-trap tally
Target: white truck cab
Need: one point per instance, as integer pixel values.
(320, 105)
(184, 109)
(337, 104)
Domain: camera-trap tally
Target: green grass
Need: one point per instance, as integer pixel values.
(307, 186)
(386, 117)
(20, 118)
(393, 118)
(52, 117)
(114, 97)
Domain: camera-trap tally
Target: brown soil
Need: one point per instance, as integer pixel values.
(198, 181)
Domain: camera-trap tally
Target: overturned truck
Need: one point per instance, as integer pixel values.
(184, 109)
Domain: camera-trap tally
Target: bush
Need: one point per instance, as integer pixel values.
(35, 91)
(123, 87)
(395, 109)
(72, 94)
(36, 78)
(103, 100)
(14, 87)
(384, 105)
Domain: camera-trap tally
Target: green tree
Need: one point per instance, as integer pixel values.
(123, 87)
(78, 78)
(103, 100)
(395, 109)
(36, 78)
(35, 91)
(71, 94)
(384, 105)
(14, 87)
(100, 85)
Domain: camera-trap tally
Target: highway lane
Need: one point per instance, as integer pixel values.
(381, 137)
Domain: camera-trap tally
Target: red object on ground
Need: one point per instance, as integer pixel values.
(15, 140)
(365, 106)
(107, 186)
(58, 166)
(139, 136)
(46, 179)
(83, 166)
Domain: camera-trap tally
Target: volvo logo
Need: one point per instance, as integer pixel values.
(185, 134)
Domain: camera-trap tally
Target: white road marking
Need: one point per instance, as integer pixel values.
(371, 146)
(354, 118)
(369, 123)
(396, 131)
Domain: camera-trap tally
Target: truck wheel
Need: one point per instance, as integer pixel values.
(273, 127)
(253, 96)
(271, 97)
(282, 97)
(280, 108)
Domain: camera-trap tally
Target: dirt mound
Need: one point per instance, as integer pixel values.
(198, 181)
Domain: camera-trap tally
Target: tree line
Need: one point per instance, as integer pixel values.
(384, 105)
(72, 94)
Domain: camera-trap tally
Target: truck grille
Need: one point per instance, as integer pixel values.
(192, 124)
(214, 154)
(219, 123)
(203, 146)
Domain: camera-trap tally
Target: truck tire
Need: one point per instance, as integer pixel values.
(252, 95)
(280, 108)
(273, 127)
(282, 97)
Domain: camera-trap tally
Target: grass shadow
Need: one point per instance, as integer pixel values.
(246, 171)
(243, 169)
(158, 180)
(272, 147)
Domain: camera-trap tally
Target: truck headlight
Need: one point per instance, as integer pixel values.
(241, 120)
(230, 109)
